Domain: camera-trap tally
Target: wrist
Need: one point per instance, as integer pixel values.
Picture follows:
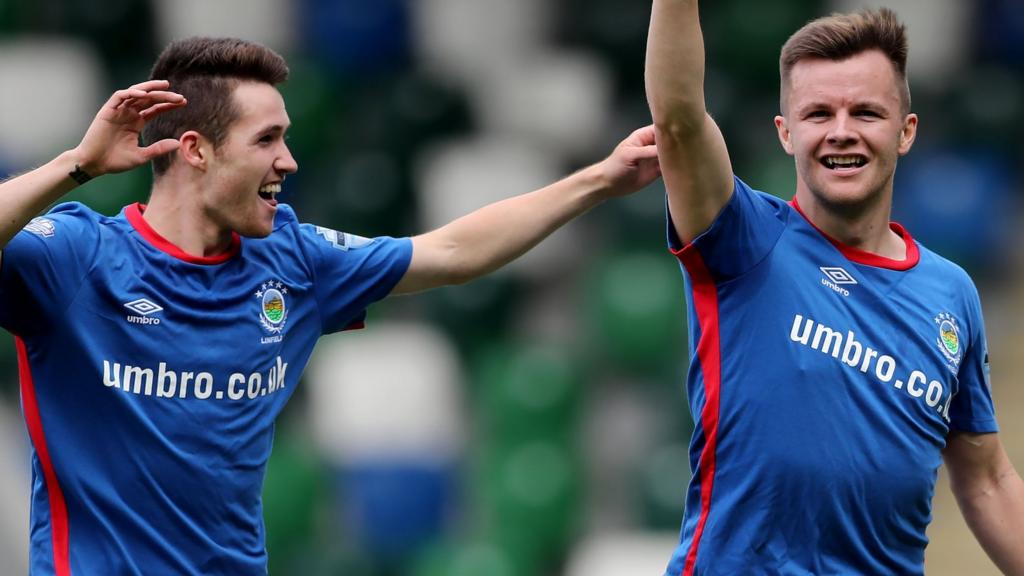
(79, 169)
(79, 175)
(596, 184)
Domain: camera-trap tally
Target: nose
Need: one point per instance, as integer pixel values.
(841, 132)
(285, 163)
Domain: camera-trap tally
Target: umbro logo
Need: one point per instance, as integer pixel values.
(144, 308)
(836, 277)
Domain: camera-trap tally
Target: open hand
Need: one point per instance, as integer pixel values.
(111, 144)
(633, 164)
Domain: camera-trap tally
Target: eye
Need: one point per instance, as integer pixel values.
(266, 139)
(867, 114)
(817, 115)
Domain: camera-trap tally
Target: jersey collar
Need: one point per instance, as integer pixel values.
(133, 213)
(863, 257)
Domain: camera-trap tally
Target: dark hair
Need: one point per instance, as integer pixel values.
(840, 36)
(206, 71)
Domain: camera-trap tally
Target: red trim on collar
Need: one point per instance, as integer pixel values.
(134, 212)
(863, 257)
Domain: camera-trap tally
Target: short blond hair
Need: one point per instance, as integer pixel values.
(840, 36)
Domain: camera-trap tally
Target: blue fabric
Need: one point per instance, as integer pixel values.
(159, 422)
(838, 390)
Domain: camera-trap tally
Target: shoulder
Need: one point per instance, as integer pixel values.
(741, 187)
(941, 266)
(315, 238)
(286, 231)
(69, 218)
(285, 217)
(72, 211)
(743, 193)
(951, 283)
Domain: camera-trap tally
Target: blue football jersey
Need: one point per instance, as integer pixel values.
(823, 383)
(151, 379)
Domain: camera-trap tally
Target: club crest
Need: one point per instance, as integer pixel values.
(273, 306)
(948, 340)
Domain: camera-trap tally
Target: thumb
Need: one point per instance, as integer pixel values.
(646, 152)
(635, 154)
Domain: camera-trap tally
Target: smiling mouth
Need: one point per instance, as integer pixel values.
(846, 162)
(268, 192)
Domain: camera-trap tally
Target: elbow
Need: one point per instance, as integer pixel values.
(678, 119)
(677, 111)
(458, 277)
(451, 260)
(678, 128)
(463, 270)
(458, 269)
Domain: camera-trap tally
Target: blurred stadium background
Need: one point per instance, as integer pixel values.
(532, 423)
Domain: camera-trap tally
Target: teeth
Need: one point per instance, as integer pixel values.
(843, 161)
(270, 189)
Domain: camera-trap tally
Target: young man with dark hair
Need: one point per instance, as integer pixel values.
(157, 347)
(835, 361)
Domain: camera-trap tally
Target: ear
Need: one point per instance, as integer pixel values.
(195, 150)
(908, 134)
(783, 130)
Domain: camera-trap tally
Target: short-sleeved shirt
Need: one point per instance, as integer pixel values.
(823, 383)
(151, 380)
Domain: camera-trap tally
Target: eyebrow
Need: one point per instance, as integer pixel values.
(273, 129)
(862, 105)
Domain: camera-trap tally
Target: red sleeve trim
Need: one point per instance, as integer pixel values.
(58, 507)
(709, 352)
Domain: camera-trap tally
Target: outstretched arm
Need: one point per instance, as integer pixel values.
(494, 235)
(990, 494)
(694, 159)
(110, 145)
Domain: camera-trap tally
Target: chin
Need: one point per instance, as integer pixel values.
(842, 195)
(849, 200)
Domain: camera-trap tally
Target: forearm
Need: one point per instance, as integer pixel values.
(28, 194)
(674, 70)
(994, 511)
(494, 235)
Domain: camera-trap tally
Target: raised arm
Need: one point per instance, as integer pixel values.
(111, 144)
(694, 159)
(990, 494)
(494, 235)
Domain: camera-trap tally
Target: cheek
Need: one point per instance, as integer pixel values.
(801, 141)
(803, 149)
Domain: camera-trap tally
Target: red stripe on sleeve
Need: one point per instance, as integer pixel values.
(705, 300)
(58, 508)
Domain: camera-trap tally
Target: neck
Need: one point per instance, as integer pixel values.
(175, 214)
(863, 226)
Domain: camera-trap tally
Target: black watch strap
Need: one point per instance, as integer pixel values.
(79, 175)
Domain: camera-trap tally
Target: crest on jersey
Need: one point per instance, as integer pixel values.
(949, 341)
(273, 306)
